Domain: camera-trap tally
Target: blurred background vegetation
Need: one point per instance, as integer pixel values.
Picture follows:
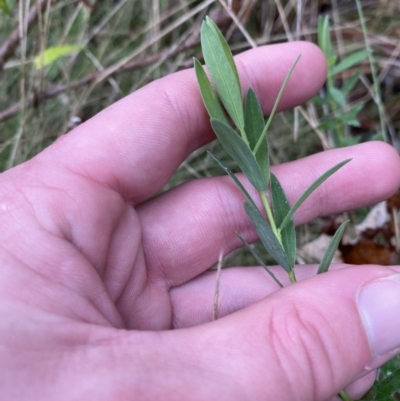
(61, 62)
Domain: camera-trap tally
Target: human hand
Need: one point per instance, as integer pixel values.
(96, 271)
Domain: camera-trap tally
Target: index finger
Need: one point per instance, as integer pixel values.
(135, 145)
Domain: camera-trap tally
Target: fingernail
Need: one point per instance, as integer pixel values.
(379, 306)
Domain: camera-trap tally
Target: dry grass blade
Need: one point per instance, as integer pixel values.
(91, 78)
(217, 286)
(109, 71)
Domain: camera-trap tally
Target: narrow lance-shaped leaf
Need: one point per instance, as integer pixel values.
(281, 209)
(324, 40)
(223, 72)
(323, 35)
(338, 96)
(350, 117)
(254, 126)
(225, 46)
(350, 83)
(240, 152)
(52, 54)
(257, 258)
(267, 237)
(310, 190)
(277, 100)
(332, 247)
(349, 62)
(233, 176)
(210, 99)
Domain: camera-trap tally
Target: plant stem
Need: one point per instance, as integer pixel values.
(270, 216)
(274, 229)
(345, 396)
(292, 277)
(336, 126)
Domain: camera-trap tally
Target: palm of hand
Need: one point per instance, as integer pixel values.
(87, 254)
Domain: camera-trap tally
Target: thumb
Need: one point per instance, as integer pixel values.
(304, 342)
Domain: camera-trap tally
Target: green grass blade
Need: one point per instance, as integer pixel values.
(281, 209)
(267, 237)
(257, 258)
(310, 190)
(240, 152)
(349, 62)
(210, 99)
(234, 178)
(330, 252)
(277, 100)
(223, 72)
(254, 126)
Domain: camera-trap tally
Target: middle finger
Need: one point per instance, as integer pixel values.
(185, 229)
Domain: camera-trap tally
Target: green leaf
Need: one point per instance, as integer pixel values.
(338, 96)
(318, 100)
(350, 83)
(351, 115)
(223, 71)
(384, 390)
(233, 176)
(349, 62)
(240, 152)
(281, 209)
(310, 190)
(227, 50)
(330, 252)
(208, 94)
(254, 126)
(331, 61)
(52, 54)
(277, 100)
(4, 7)
(352, 140)
(267, 236)
(257, 258)
(324, 39)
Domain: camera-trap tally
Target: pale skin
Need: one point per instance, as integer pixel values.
(96, 271)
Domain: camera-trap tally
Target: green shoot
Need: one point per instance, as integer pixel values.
(246, 141)
(340, 114)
